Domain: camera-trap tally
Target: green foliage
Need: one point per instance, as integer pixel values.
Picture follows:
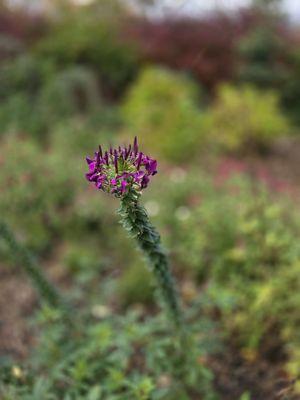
(274, 308)
(135, 285)
(290, 93)
(162, 108)
(114, 358)
(90, 36)
(139, 362)
(36, 189)
(45, 201)
(135, 220)
(233, 244)
(240, 242)
(236, 240)
(25, 74)
(71, 92)
(269, 60)
(46, 290)
(34, 98)
(243, 117)
(21, 80)
(19, 114)
(261, 52)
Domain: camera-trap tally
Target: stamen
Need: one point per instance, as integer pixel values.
(135, 146)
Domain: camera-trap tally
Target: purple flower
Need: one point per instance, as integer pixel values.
(118, 170)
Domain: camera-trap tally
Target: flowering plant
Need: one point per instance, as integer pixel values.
(118, 170)
(124, 172)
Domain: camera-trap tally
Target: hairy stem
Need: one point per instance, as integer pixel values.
(135, 220)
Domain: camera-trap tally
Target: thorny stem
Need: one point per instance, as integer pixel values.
(135, 220)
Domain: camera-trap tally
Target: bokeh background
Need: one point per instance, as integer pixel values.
(213, 93)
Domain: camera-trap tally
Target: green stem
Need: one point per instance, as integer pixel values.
(135, 220)
(45, 289)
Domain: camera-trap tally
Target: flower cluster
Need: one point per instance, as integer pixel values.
(117, 170)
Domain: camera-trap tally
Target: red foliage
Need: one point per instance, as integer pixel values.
(20, 26)
(204, 46)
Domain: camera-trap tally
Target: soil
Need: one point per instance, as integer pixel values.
(17, 302)
(234, 377)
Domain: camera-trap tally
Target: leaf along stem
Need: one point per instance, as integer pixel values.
(135, 220)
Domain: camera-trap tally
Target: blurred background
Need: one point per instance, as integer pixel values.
(212, 90)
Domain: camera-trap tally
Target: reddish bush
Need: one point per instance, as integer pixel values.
(20, 27)
(203, 46)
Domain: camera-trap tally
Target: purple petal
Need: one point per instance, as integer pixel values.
(91, 176)
(139, 161)
(145, 181)
(123, 186)
(116, 161)
(151, 166)
(138, 176)
(97, 154)
(92, 166)
(128, 152)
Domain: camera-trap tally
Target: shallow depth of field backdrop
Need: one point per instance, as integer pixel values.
(215, 98)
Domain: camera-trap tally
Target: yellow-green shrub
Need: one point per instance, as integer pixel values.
(245, 117)
(161, 108)
(91, 37)
(274, 309)
(240, 243)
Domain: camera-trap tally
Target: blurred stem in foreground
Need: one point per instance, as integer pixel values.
(135, 220)
(46, 290)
